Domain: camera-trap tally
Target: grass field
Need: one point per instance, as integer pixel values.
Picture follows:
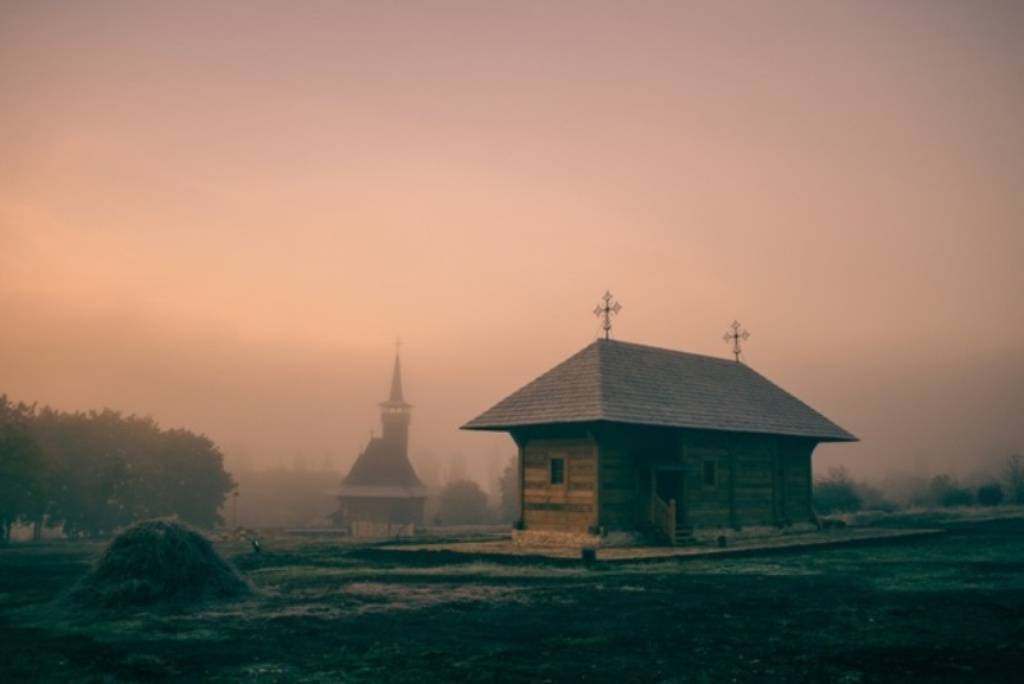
(948, 608)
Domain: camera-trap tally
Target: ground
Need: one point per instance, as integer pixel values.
(940, 608)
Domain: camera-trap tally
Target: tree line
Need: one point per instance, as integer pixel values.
(91, 473)
(837, 492)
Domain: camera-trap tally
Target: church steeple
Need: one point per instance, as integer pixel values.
(395, 413)
(396, 383)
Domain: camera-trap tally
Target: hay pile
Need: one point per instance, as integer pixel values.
(159, 563)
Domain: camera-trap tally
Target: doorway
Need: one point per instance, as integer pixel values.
(669, 484)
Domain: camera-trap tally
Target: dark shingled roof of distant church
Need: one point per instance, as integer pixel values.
(622, 382)
(382, 464)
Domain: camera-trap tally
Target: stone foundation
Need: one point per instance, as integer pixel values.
(365, 529)
(708, 535)
(577, 539)
(711, 534)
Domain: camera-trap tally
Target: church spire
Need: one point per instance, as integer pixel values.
(395, 413)
(396, 383)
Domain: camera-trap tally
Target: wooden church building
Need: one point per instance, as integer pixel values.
(625, 437)
(381, 496)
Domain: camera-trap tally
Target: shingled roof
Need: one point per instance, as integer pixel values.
(382, 470)
(623, 382)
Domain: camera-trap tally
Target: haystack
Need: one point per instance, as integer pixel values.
(159, 562)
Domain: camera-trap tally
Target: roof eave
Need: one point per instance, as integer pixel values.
(494, 427)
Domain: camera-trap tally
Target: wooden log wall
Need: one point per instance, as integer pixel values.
(761, 480)
(797, 502)
(570, 506)
(619, 492)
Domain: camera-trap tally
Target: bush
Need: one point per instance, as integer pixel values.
(874, 499)
(159, 562)
(946, 491)
(836, 493)
(990, 494)
(462, 503)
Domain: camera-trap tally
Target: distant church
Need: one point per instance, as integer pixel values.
(381, 496)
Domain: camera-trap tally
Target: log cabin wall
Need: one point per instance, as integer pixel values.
(706, 505)
(570, 505)
(759, 480)
(797, 498)
(754, 456)
(619, 491)
(624, 455)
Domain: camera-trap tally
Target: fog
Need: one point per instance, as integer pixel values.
(223, 216)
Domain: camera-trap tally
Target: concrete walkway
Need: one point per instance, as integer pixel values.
(785, 543)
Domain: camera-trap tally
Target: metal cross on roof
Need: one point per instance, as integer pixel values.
(734, 335)
(608, 310)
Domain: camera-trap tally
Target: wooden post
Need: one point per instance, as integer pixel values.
(521, 507)
(782, 488)
(811, 515)
(521, 467)
(653, 493)
(596, 520)
(732, 490)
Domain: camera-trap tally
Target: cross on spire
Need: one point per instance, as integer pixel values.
(608, 310)
(734, 335)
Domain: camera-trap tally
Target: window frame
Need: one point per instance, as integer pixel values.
(564, 471)
(705, 462)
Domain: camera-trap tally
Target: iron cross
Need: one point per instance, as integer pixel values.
(734, 335)
(608, 310)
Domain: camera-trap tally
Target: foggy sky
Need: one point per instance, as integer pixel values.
(223, 215)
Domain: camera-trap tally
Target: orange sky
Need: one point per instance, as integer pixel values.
(223, 215)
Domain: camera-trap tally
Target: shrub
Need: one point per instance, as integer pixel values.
(836, 493)
(990, 494)
(946, 491)
(874, 499)
(462, 503)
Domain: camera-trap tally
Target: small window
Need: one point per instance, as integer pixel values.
(710, 473)
(557, 471)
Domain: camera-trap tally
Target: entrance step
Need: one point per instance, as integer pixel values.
(684, 535)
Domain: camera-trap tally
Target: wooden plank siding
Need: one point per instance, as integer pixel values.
(797, 502)
(760, 480)
(705, 506)
(755, 456)
(618, 489)
(570, 506)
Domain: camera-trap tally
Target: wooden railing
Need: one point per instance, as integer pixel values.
(663, 516)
